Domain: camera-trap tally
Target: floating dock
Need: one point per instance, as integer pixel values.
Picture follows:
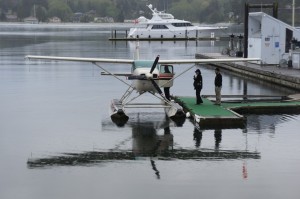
(122, 36)
(228, 114)
(165, 39)
(283, 76)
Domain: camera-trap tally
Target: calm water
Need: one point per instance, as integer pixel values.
(55, 115)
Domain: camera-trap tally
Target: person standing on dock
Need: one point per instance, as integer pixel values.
(218, 86)
(198, 86)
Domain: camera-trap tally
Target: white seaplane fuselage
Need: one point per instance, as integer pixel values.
(161, 78)
(145, 84)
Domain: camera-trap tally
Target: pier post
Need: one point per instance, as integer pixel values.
(246, 30)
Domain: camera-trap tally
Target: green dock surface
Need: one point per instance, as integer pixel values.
(207, 109)
(227, 115)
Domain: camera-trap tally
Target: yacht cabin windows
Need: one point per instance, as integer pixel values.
(181, 24)
(159, 27)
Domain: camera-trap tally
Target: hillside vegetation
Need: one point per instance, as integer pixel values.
(200, 11)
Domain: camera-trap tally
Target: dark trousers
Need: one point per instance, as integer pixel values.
(199, 99)
(167, 92)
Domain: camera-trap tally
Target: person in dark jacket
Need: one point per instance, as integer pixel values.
(198, 86)
(218, 86)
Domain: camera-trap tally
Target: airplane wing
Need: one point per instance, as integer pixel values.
(131, 61)
(205, 61)
(81, 59)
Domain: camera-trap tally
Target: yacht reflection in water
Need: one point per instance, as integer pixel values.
(151, 139)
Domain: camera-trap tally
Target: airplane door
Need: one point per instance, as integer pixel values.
(166, 72)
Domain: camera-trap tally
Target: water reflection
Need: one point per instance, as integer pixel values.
(218, 138)
(266, 123)
(145, 139)
(197, 137)
(147, 143)
(252, 86)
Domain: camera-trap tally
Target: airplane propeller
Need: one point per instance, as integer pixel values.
(154, 64)
(156, 86)
(152, 80)
(143, 77)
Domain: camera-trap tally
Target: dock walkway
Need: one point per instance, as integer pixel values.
(228, 115)
(284, 76)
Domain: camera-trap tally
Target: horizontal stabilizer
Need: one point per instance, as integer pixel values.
(116, 74)
(138, 77)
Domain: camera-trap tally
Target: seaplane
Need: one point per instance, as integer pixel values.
(147, 76)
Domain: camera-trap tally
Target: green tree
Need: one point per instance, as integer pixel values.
(103, 7)
(59, 8)
(41, 13)
(183, 9)
(209, 11)
(23, 9)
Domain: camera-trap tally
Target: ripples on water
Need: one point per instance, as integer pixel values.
(268, 123)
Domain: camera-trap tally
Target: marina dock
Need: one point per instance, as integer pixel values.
(122, 35)
(228, 114)
(284, 76)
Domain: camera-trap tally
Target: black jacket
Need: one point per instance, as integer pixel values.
(218, 80)
(198, 81)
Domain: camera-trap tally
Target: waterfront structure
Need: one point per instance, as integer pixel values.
(270, 39)
(31, 20)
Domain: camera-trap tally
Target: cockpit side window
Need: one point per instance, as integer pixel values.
(166, 69)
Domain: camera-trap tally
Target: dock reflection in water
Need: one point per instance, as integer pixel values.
(146, 143)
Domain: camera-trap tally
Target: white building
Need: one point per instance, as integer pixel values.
(269, 38)
(54, 20)
(32, 20)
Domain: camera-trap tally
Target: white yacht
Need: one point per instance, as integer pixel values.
(164, 26)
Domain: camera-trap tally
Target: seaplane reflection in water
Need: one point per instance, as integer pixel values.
(151, 139)
(147, 76)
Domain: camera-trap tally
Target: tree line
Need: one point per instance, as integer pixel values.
(200, 11)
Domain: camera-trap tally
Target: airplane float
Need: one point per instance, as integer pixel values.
(148, 76)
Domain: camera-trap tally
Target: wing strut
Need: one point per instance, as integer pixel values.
(112, 74)
(179, 75)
